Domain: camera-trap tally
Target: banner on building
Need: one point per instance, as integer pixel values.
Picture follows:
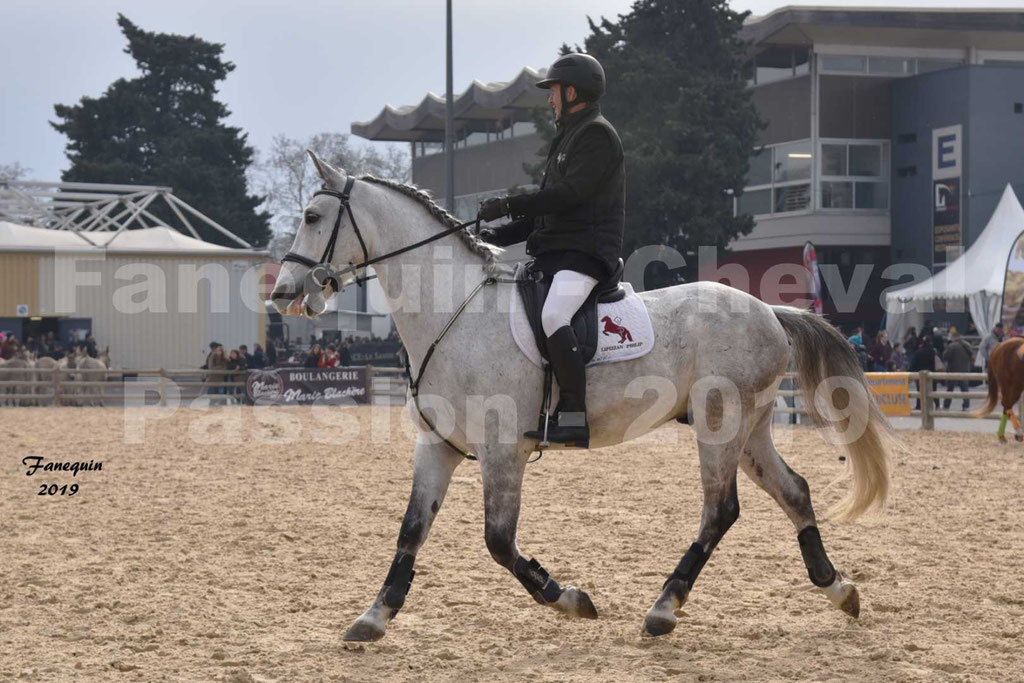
(307, 386)
(1013, 285)
(892, 391)
(947, 171)
(813, 276)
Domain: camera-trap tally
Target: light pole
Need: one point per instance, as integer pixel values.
(449, 126)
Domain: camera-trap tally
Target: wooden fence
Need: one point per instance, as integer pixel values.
(388, 386)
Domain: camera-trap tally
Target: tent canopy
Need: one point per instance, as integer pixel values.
(156, 240)
(977, 275)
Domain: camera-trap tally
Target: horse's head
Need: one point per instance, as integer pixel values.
(324, 236)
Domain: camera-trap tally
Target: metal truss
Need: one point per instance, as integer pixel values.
(88, 207)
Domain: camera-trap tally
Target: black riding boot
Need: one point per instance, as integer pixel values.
(569, 424)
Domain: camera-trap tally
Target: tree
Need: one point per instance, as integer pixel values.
(14, 171)
(166, 127)
(677, 95)
(286, 177)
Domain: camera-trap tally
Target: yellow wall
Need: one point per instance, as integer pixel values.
(19, 282)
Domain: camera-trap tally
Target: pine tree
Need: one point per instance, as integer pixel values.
(166, 127)
(677, 96)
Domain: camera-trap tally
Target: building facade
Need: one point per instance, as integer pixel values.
(889, 136)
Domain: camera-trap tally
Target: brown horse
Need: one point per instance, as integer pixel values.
(1006, 377)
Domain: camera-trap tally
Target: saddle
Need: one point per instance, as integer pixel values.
(533, 286)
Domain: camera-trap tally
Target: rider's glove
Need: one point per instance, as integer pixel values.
(487, 235)
(493, 209)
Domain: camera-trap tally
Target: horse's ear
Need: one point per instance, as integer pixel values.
(331, 176)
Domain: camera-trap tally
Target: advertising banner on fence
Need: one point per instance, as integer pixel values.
(892, 391)
(307, 386)
(380, 353)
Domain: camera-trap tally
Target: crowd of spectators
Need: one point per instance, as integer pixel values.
(46, 345)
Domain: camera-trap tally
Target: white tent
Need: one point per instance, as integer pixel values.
(159, 239)
(976, 276)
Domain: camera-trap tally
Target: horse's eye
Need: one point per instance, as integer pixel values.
(312, 217)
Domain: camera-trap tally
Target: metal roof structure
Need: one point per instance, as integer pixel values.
(482, 107)
(100, 207)
(994, 29)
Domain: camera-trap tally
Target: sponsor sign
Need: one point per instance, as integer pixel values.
(21, 310)
(813, 276)
(947, 171)
(307, 386)
(892, 391)
(380, 353)
(1013, 285)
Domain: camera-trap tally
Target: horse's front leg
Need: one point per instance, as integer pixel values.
(433, 466)
(502, 471)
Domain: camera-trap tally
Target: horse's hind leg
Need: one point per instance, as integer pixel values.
(503, 482)
(721, 509)
(763, 464)
(433, 466)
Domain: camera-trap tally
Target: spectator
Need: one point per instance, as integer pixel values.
(924, 359)
(881, 352)
(31, 345)
(329, 359)
(898, 359)
(213, 347)
(236, 364)
(344, 356)
(938, 342)
(313, 357)
(990, 342)
(259, 359)
(216, 368)
(911, 342)
(243, 351)
(958, 359)
(90, 345)
(272, 354)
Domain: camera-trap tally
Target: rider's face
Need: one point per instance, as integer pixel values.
(555, 98)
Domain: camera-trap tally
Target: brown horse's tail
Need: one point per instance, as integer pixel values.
(993, 394)
(822, 354)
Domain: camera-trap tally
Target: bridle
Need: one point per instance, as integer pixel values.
(323, 272)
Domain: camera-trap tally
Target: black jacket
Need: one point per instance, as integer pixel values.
(577, 217)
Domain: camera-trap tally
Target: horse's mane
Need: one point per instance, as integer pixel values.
(422, 197)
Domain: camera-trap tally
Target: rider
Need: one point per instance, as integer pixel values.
(572, 226)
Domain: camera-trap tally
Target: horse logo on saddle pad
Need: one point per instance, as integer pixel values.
(612, 325)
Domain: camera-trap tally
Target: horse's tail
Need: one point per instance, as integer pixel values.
(993, 393)
(822, 354)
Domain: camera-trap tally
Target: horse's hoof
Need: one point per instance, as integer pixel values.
(575, 603)
(659, 623)
(1019, 437)
(1002, 439)
(363, 632)
(843, 594)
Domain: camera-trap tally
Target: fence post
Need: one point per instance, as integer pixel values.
(924, 387)
(56, 386)
(163, 388)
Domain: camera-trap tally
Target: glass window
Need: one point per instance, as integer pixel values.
(792, 198)
(801, 61)
(755, 202)
(833, 159)
(866, 160)
(836, 195)
(843, 63)
(760, 172)
(872, 196)
(432, 148)
(889, 65)
(926, 65)
(792, 161)
(1004, 62)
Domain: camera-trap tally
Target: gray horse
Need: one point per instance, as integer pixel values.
(719, 356)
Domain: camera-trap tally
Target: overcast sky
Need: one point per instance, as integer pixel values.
(302, 67)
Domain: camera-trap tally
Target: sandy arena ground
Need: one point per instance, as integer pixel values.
(220, 550)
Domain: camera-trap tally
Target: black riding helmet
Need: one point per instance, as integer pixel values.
(579, 70)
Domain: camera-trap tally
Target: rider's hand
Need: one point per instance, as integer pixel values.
(493, 209)
(487, 235)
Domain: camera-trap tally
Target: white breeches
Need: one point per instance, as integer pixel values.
(569, 290)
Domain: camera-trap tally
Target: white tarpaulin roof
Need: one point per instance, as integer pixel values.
(976, 275)
(14, 237)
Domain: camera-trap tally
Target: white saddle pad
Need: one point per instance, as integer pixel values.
(624, 329)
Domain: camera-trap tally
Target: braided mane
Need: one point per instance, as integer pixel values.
(477, 246)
